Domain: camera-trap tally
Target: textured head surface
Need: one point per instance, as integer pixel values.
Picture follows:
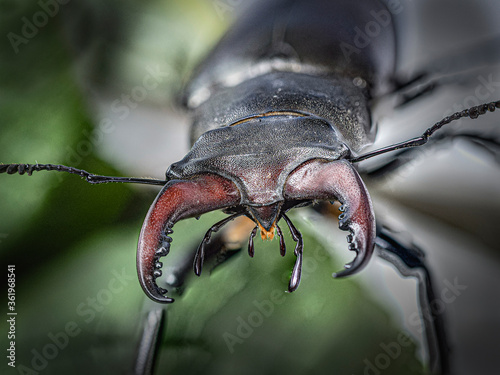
(259, 154)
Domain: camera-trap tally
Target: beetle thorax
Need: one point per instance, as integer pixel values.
(259, 154)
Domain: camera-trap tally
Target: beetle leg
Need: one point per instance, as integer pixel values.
(322, 180)
(413, 88)
(179, 199)
(216, 252)
(200, 253)
(299, 247)
(149, 344)
(282, 241)
(251, 251)
(409, 261)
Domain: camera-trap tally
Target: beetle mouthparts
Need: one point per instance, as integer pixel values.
(338, 180)
(266, 217)
(316, 179)
(179, 199)
(267, 234)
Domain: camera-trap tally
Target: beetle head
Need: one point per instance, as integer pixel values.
(261, 168)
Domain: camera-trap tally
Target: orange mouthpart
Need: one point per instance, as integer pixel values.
(267, 234)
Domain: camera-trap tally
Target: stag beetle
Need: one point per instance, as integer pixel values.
(278, 123)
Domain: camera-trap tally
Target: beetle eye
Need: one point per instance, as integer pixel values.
(173, 172)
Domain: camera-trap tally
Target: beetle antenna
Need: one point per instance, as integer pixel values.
(473, 113)
(89, 177)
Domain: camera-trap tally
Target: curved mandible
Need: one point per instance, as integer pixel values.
(179, 199)
(329, 180)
